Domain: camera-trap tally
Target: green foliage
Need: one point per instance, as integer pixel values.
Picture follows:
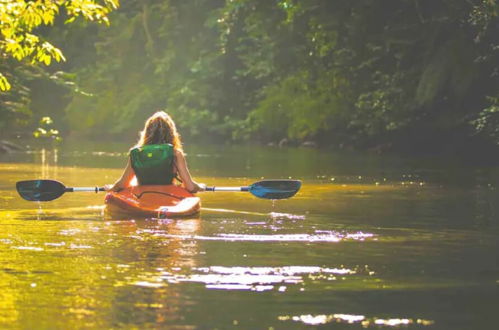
(15, 103)
(340, 72)
(46, 130)
(4, 83)
(296, 108)
(487, 121)
(23, 48)
(18, 20)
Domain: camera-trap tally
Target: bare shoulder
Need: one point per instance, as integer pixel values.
(179, 155)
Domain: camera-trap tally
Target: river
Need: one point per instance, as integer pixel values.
(368, 242)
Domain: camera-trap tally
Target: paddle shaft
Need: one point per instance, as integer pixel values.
(92, 189)
(227, 189)
(97, 189)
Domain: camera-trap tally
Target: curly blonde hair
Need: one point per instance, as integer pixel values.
(160, 129)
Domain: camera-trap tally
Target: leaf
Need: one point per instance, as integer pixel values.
(70, 20)
(47, 60)
(4, 83)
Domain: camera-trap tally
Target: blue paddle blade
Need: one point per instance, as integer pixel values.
(275, 189)
(40, 190)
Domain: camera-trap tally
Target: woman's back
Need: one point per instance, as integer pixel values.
(153, 164)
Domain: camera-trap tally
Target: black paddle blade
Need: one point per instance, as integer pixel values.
(275, 189)
(40, 190)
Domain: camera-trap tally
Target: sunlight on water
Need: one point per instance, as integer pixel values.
(350, 319)
(370, 241)
(277, 215)
(246, 278)
(148, 284)
(208, 209)
(56, 244)
(316, 238)
(30, 248)
(75, 246)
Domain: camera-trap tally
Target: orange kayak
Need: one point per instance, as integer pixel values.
(152, 201)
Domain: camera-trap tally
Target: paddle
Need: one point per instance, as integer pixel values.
(47, 190)
(268, 189)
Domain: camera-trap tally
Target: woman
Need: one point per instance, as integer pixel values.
(158, 157)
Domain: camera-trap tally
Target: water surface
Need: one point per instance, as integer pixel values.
(368, 242)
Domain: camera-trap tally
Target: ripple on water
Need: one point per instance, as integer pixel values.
(76, 246)
(277, 215)
(245, 278)
(55, 244)
(29, 248)
(351, 319)
(330, 237)
(69, 232)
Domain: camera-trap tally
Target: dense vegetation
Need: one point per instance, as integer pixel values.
(365, 74)
(23, 47)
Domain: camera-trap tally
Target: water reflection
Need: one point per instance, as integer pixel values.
(288, 265)
(277, 215)
(84, 256)
(351, 319)
(156, 302)
(48, 160)
(329, 236)
(253, 278)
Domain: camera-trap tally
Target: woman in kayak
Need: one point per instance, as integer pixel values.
(157, 158)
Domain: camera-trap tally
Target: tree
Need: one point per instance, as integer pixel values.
(20, 19)
(348, 73)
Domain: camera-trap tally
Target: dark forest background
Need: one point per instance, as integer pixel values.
(403, 75)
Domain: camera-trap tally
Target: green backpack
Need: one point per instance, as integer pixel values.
(153, 164)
